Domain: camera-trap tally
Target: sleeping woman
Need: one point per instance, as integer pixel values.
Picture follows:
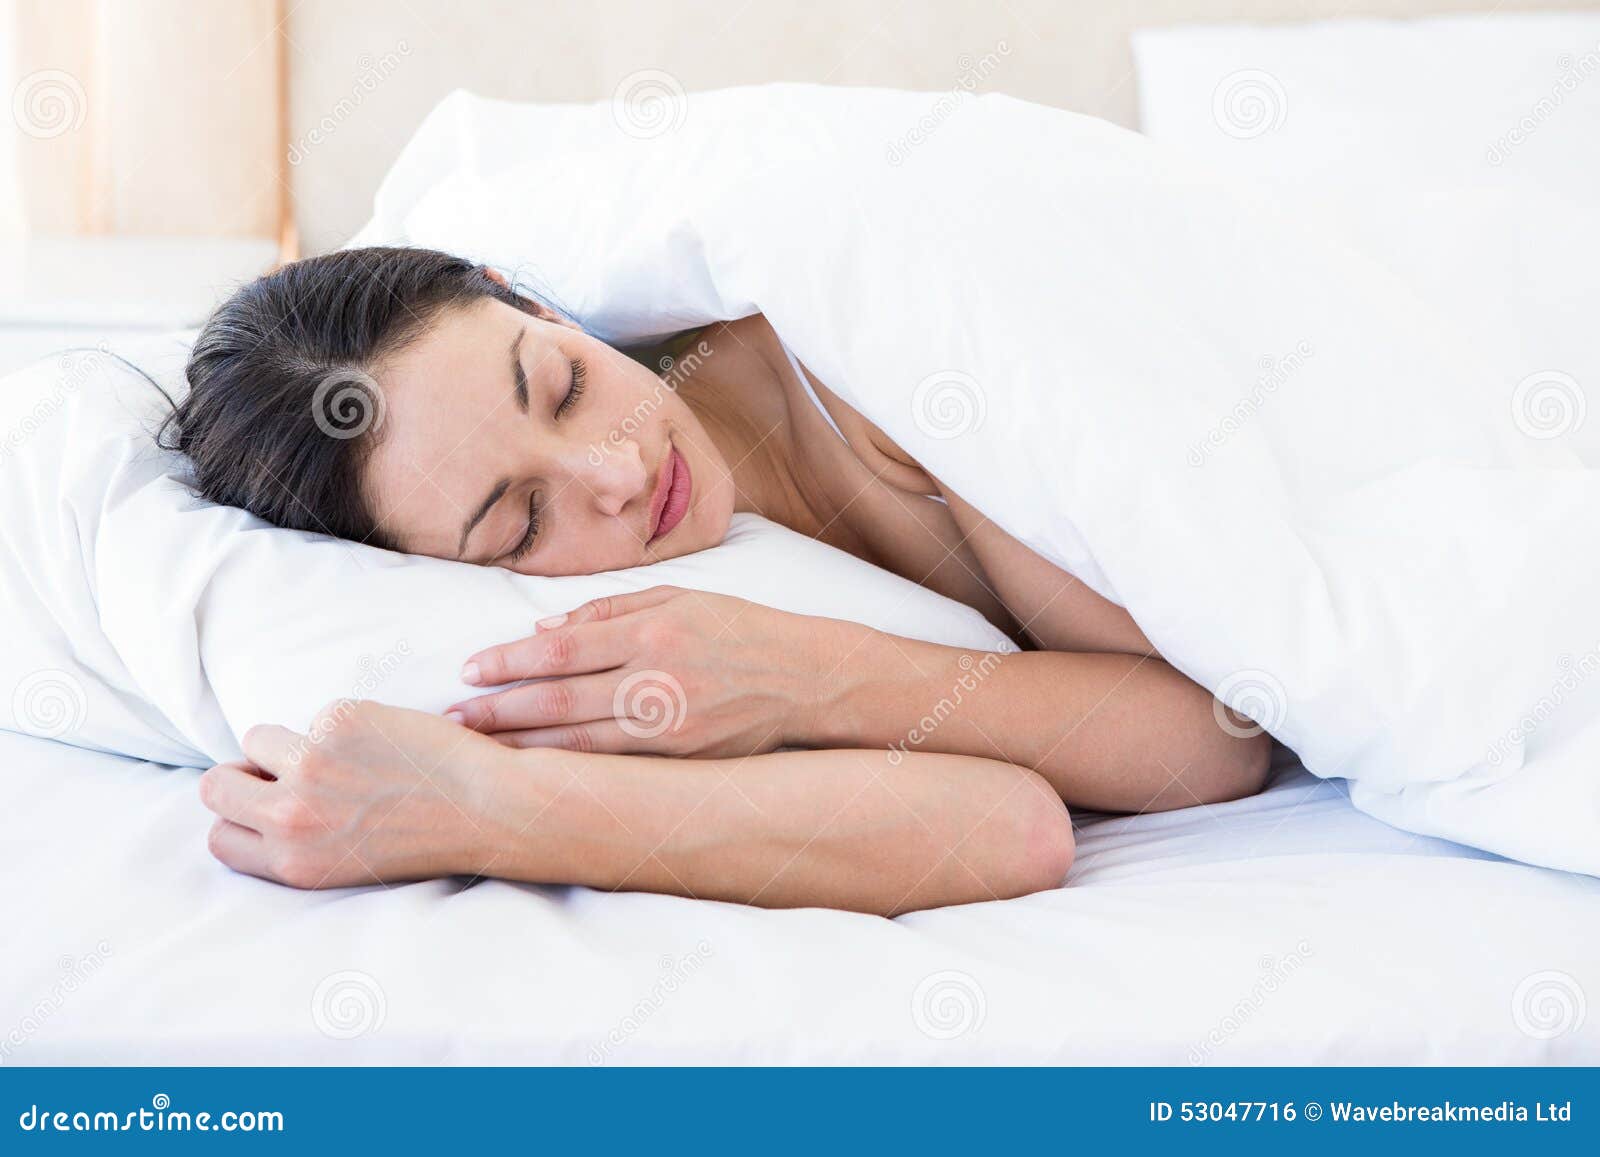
(511, 438)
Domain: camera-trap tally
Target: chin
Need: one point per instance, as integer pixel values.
(702, 530)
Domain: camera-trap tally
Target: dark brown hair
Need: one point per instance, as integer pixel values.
(282, 409)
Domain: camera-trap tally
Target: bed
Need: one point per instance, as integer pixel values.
(1284, 929)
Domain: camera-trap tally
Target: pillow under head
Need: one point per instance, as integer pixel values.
(145, 621)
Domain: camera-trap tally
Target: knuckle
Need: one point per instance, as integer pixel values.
(208, 789)
(648, 634)
(214, 843)
(333, 708)
(580, 739)
(603, 607)
(292, 815)
(658, 633)
(560, 649)
(251, 739)
(296, 869)
(553, 701)
(332, 714)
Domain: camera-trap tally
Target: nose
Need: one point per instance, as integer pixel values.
(616, 476)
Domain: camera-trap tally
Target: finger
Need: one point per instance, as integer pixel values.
(238, 847)
(273, 749)
(569, 651)
(579, 699)
(235, 793)
(610, 607)
(603, 736)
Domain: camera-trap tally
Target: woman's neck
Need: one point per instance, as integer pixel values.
(748, 422)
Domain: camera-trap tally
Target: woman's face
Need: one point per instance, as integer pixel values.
(517, 441)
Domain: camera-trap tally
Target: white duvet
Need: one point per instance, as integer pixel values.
(1299, 479)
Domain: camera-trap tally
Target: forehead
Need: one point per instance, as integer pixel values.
(461, 346)
(447, 394)
(457, 372)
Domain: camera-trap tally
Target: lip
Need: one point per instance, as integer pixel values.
(670, 502)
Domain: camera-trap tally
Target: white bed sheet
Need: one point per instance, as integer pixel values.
(1284, 929)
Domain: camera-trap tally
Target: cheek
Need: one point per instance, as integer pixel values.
(610, 415)
(715, 514)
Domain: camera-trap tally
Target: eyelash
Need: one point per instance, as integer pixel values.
(573, 392)
(522, 548)
(580, 376)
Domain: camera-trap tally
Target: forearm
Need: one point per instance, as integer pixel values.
(869, 831)
(1112, 732)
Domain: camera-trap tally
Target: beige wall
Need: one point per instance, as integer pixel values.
(179, 99)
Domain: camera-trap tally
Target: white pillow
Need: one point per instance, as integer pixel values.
(143, 621)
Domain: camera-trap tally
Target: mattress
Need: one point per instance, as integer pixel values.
(1285, 929)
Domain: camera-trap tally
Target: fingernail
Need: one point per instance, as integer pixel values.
(455, 717)
(471, 674)
(552, 621)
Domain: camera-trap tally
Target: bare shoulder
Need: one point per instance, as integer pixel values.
(880, 453)
(747, 341)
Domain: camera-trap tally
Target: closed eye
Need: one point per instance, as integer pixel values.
(526, 543)
(579, 379)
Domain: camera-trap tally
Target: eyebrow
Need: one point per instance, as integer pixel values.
(519, 377)
(478, 515)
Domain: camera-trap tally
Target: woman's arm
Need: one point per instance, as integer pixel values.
(1114, 732)
(387, 794)
(1111, 732)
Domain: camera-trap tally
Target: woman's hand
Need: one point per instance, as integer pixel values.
(663, 671)
(369, 794)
